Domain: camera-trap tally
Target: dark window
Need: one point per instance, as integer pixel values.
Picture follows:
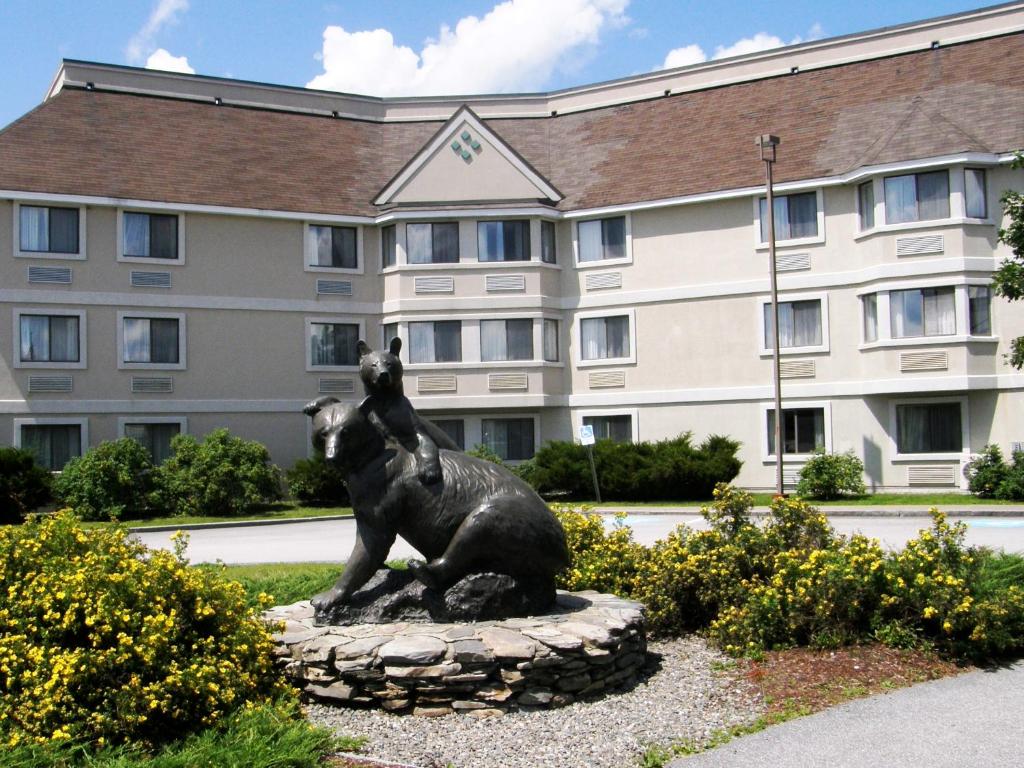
(53, 445)
(506, 340)
(548, 250)
(795, 216)
(604, 338)
(929, 428)
(503, 241)
(974, 193)
(511, 439)
(799, 324)
(602, 239)
(435, 342)
(389, 331)
(335, 247)
(388, 247)
(49, 339)
(48, 230)
(434, 243)
(979, 300)
(551, 340)
(333, 343)
(917, 197)
(866, 200)
(155, 438)
(616, 428)
(803, 430)
(454, 428)
(151, 340)
(151, 235)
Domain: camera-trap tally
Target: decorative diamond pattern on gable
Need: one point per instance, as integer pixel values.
(791, 262)
(504, 381)
(436, 383)
(434, 284)
(334, 287)
(914, 246)
(142, 279)
(923, 361)
(466, 147)
(153, 385)
(603, 280)
(53, 275)
(796, 369)
(604, 379)
(496, 283)
(337, 386)
(50, 383)
(932, 474)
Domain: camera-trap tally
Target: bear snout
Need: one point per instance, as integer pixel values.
(384, 378)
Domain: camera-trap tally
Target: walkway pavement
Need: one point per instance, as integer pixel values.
(970, 720)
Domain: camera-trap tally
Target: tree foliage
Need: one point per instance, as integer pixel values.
(1008, 280)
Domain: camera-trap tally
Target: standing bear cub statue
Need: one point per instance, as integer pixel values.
(475, 518)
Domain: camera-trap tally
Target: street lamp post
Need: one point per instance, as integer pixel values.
(767, 143)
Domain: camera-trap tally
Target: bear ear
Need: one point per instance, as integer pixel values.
(362, 348)
(396, 346)
(314, 407)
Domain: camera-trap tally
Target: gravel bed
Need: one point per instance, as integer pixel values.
(680, 697)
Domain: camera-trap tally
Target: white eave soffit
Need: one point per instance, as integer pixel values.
(450, 134)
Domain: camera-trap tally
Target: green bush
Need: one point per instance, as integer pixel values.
(667, 470)
(829, 476)
(221, 476)
(314, 481)
(112, 480)
(24, 485)
(105, 642)
(1012, 486)
(986, 472)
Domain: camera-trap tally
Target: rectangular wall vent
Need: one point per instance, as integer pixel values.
(50, 383)
(511, 380)
(434, 284)
(932, 474)
(496, 283)
(143, 279)
(791, 262)
(603, 280)
(923, 361)
(52, 275)
(604, 379)
(790, 475)
(914, 246)
(334, 287)
(337, 386)
(153, 385)
(796, 369)
(437, 383)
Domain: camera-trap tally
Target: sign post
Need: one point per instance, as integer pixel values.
(587, 439)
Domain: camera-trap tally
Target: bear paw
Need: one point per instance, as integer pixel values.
(422, 573)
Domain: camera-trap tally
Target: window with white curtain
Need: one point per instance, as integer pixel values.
(922, 312)
(975, 200)
(547, 242)
(154, 437)
(52, 445)
(917, 197)
(333, 343)
(799, 324)
(604, 338)
(47, 229)
(602, 239)
(866, 205)
(151, 340)
(929, 428)
(388, 331)
(439, 341)
(803, 430)
(49, 338)
(796, 216)
(979, 306)
(511, 439)
(870, 303)
(506, 340)
(550, 340)
(334, 247)
(618, 428)
(503, 240)
(388, 247)
(150, 235)
(432, 243)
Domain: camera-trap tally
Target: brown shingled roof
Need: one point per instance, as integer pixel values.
(960, 98)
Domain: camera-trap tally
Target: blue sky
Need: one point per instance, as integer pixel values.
(409, 47)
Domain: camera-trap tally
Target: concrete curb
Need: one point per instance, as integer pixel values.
(914, 510)
(235, 524)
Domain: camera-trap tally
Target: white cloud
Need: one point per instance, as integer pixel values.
(164, 12)
(762, 41)
(681, 57)
(162, 59)
(759, 42)
(516, 46)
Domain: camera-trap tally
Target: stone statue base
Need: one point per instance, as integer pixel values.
(587, 645)
(392, 595)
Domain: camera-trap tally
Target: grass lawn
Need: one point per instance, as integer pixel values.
(285, 510)
(286, 582)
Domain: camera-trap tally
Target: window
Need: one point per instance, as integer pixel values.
(334, 247)
(49, 338)
(922, 312)
(503, 240)
(432, 243)
(929, 428)
(388, 331)
(454, 428)
(803, 430)
(974, 193)
(551, 340)
(506, 340)
(388, 247)
(616, 428)
(799, 324)
(333, 344)
(870, 317)
(796, 216)
(547, 242)
(53, 445)
(917, 197)
(866, 205)
(435, 342)
(154, 437)
(151, 235)
(979, 305)
(511, 439)
(151, 340)
(604, 338)
(602, 239)
(44, 229)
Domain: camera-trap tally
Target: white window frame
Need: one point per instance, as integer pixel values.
(50, 312)
(180, 261)
(610, 312)
(962, 173)
(633, 413)
(538, 341)
(534, 358)
(20, 254)
(181, 421)
(761, 245)
(794, 458)
(146, 314)
(81, 421)
(766, 301)
(600, 263)
(876, 210)
(402, 248)
(965, 430)
(309, 249)
(331, 319)
(503, 416)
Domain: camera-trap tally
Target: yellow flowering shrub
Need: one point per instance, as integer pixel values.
(601, 560)
(103, 641)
